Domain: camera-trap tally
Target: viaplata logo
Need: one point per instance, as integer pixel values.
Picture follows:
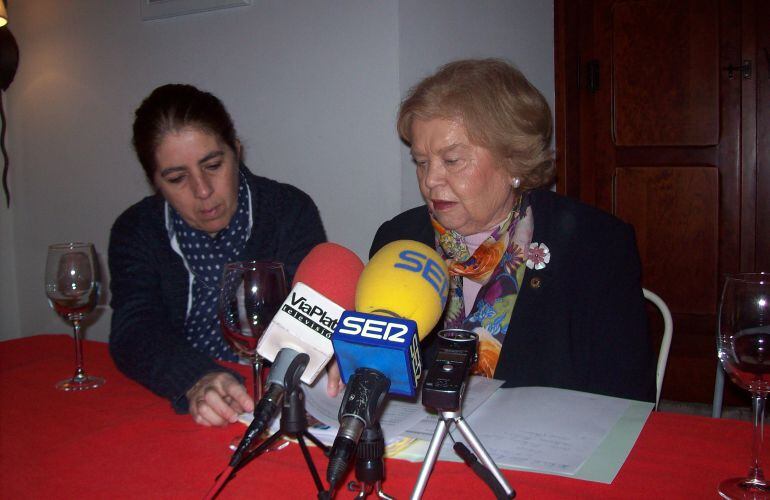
(310, 315)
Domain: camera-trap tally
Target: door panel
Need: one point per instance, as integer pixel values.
(675, 211)
(665, 73)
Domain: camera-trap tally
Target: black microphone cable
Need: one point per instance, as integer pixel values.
(480, 469)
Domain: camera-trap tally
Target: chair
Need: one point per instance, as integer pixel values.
(665, 343)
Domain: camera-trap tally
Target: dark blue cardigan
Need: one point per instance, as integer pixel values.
(580, 322)
(149, 282)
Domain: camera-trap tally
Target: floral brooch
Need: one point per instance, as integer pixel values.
(538, 256)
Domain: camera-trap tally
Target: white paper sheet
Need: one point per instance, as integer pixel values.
(541, 429)
(535, 428)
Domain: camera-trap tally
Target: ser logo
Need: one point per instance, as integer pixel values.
(373, 329)
(414, 356)
(427, 268)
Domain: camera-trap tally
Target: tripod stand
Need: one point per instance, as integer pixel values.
(294, 425)
(442, 427)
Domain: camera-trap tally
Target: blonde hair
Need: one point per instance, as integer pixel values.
(499, 109)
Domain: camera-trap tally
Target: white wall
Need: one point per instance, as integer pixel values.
(434, 32)
(313, 88)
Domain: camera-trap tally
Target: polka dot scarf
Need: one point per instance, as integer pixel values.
(205, 258)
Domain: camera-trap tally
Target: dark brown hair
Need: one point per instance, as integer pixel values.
(172, 107)
(499, 109)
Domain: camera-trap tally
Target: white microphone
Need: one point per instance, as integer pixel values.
(304, 323)
(298, 338)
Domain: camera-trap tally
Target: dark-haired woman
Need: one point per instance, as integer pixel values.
(167, 252)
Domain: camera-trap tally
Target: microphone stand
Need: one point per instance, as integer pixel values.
(502, 489)
(293, 425)
(365, 392)
(443, 389)
(370, 466)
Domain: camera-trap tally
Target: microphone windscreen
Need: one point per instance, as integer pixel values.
(333, 271)
(407, 279)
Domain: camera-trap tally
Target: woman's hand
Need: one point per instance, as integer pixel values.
(334, 382)
(217, 399)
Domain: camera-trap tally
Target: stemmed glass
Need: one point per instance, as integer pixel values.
(743, 345)
(251, 294)
(71, 286)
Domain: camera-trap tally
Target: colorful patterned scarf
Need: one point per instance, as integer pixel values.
(205, 258)
(497, 264)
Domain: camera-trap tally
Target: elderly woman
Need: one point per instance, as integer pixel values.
(551, 286)
(168, 251)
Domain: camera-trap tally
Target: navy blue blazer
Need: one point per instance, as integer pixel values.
(580, 322)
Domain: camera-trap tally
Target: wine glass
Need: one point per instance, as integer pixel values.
(251, 294)
(743, 345)
(71, 286)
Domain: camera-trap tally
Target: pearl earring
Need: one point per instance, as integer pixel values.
(516, 182)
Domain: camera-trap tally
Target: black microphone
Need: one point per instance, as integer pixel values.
(361, 404)
(286, 371)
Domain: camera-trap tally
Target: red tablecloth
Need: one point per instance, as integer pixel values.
(121, 441)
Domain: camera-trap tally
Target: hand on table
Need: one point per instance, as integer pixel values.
(334, 382)
(217, 399)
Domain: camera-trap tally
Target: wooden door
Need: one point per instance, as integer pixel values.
(757, 48)
(654, 124)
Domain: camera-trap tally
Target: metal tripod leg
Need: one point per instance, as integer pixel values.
(309, 461)
(442, 427)
(293, 424)
(476, 445)
(365, 490)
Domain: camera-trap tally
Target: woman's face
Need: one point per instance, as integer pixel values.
(462, 183)
(197, 174)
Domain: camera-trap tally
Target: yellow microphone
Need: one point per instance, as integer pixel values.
(399, 299)
(404, 279)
